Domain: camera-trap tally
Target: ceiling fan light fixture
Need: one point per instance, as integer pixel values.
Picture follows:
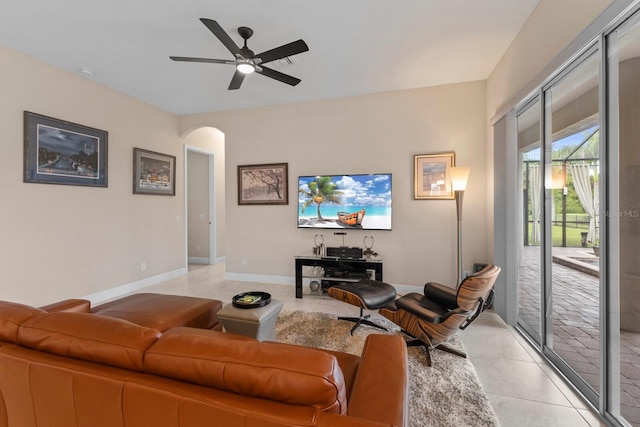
(245, 67)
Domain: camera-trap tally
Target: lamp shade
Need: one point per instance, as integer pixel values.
(558, 178)
(459, 176)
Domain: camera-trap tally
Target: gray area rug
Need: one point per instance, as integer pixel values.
(447, 394)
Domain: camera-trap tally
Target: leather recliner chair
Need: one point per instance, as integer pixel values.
(431, 318)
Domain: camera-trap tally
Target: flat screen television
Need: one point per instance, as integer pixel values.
(345, 201)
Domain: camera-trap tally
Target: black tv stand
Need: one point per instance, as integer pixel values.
(351, 270)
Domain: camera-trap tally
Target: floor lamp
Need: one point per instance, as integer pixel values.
(459, 176)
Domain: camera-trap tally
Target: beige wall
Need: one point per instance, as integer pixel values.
(68, 241)
(362, 134)
(551, 27)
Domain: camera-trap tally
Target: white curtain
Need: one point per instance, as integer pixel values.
(534, 199)
(589, 199)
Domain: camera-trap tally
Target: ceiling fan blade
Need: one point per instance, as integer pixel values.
(288, 49)
(277, 75)
(212, 61)
(222, 35)
(237, 80)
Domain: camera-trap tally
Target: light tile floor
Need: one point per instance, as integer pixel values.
(522, 388)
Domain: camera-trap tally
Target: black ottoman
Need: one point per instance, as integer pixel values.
(366, 293)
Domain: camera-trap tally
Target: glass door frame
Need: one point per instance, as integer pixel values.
(541, 342)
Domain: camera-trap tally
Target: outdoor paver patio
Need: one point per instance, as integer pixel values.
(576, 324)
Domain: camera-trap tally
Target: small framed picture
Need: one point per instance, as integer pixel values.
(153, 173)
(431, 176)
(61, 152)
(263, 184)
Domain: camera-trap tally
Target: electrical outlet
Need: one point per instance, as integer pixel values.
(198, 248)
(143, 266)
(244, 261)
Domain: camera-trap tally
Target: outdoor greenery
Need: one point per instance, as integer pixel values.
(574, 237)
(577, 220)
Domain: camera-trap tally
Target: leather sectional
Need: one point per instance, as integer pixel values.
(66, 366)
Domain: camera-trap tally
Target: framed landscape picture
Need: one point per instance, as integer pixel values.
(263, 184)
(153, 173)
(431, 176)
(61, 152)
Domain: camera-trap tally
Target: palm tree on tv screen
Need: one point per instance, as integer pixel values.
(321, 190)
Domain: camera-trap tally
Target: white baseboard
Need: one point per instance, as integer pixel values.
(291, 280)
(260, 278)
(205, 261)
(118, 291)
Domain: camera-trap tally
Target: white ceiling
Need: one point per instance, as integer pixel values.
(355, 46)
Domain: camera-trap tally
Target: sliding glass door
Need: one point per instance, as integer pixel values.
(530, 232)
(579, 237)
(571, 161)
(558, 136)
(623, 221)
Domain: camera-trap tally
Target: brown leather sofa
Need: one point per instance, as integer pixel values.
(74, 368)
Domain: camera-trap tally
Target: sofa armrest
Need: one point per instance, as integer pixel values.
(381, 387)
(69, 305)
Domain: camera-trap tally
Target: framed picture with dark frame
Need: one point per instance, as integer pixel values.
(62, 152)
(431, 179)
(153, 173)
(263, 184)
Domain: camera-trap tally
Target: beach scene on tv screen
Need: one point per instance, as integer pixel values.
(345, 201)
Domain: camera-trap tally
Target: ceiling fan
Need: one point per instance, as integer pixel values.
(246, 61)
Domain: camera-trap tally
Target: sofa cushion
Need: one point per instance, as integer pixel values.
(12, 315)
(275, 371)
(89, 337)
